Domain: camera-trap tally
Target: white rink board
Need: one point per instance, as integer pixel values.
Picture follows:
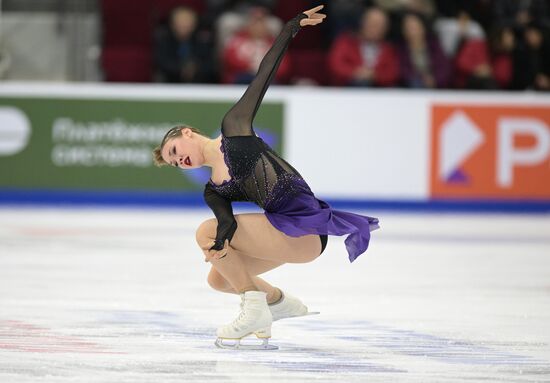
(121, 295)
(366, 145)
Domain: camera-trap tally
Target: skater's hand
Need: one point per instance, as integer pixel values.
(313, 18)
(215, 254)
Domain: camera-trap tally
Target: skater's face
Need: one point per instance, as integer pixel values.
(183, 151)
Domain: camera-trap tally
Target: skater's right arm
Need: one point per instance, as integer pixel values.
(224, 214)
(238, 121)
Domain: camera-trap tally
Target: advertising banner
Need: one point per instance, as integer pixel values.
(393, 149)
(106, 144)
(490, 151)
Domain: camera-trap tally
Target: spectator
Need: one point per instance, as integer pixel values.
(502, 48)
(424, 7)
(218, 7)
(518, 14)
(365, 58)
(473, 66)
(453, 31)
(344, 15)
(480, 10)
(532, 61)
(397, 8)
(181, 53)
(233, 21)
(423, 63)
(245, 50)
(229, 16)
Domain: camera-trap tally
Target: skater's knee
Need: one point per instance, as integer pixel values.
(206, 231)
(217, 281)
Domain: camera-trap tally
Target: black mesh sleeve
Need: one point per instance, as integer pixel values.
(238, 121)
(224, 214)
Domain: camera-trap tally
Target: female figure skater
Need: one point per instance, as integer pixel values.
(295, 224)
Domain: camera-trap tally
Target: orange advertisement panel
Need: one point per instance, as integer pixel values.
(488, 151)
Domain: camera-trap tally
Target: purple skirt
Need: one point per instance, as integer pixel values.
(304, 214)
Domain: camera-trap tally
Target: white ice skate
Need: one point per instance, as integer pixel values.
(254, 318)
(289, 307)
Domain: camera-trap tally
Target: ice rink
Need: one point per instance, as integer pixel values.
(100, 295)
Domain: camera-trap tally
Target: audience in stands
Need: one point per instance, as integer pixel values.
(463, 40)
(423, 63)
(453, 31)
(481, 10)
(472, 66)
(344, 15)
(474, 44)
(519, 13)
(502, 46)
(231, 22)
(425, 8)
(221, 6)
(181, 53)
(532, 60)
(365, 58)
(245, 50)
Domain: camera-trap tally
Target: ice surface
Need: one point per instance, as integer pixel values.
(121, 296)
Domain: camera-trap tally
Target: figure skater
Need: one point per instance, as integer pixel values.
(292, 229)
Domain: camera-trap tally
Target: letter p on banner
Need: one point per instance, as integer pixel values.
(510, 156)
(490, 152)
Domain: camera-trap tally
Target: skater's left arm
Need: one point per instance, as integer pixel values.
(238, 121)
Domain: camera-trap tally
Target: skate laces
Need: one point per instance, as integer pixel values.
(242, 312)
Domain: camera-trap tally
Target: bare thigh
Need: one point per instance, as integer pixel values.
(257, 238)
(261, 246)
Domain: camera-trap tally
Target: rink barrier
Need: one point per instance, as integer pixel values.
(373, 147)
(153, 199)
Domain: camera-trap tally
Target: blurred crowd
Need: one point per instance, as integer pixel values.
(473, 44)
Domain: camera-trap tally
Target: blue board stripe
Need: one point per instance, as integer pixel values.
(123, 198)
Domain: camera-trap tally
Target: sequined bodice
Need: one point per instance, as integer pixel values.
(258, 173)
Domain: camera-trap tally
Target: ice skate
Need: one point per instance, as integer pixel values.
(289, 307)
(254, 318)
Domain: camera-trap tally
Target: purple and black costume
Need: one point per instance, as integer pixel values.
(260, 175)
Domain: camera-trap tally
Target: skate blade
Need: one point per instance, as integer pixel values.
(237, 344)
(301, 315)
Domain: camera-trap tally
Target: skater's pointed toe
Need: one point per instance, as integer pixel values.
(288, 307)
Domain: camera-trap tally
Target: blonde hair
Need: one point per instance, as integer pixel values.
(172, 133)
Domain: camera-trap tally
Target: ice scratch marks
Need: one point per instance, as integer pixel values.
(163, 324)
(327, 359)
(418, 344)
(196, 342)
